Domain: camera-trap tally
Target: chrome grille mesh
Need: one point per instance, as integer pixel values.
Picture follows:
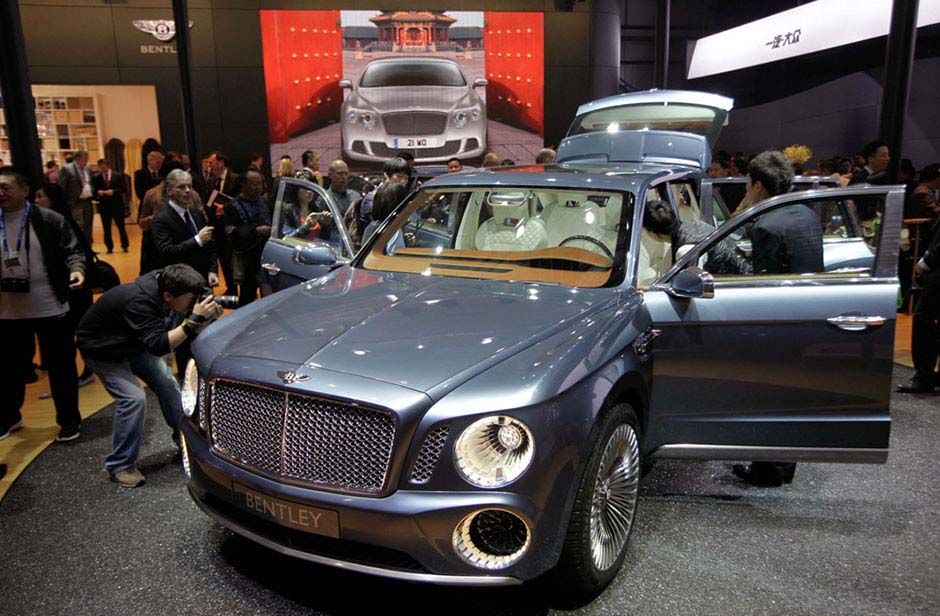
(430, 451)
(247, 423)
(414, 123)
(304, 438)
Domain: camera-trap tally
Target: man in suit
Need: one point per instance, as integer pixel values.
(876, 157)
(149, 176)
(925, 326)
(181, 232)
(109, 190)
(225, 181)
(75, 180)
(785, 240)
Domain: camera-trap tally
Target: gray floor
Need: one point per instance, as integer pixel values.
(839, 540)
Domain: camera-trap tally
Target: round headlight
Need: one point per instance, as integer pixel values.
(189, 392)
(494, 451)
(475, 115)
(460, 119)
(368, 119)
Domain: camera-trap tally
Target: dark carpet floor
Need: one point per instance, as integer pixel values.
(842, 539)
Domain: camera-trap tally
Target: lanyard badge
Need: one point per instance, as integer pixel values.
(15, 266)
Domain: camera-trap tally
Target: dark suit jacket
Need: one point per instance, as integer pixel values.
(70, 179)
(932, 257)
(143, 182)
(175, 242)
(788, 240)
(113, 204)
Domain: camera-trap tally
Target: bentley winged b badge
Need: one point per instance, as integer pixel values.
(162, 29)
(290, 377)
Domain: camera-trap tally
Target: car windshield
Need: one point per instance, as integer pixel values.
(653, 116)
(405, 73)
(570, 237)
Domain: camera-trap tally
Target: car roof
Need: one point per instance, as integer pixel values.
(609, 177)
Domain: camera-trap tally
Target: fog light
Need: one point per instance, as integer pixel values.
(491, 539)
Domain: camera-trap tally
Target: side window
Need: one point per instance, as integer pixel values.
(683, 194)
(301, 217)
(730, 195)
(796, 240)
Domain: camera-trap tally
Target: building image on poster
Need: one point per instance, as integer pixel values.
(363, 86)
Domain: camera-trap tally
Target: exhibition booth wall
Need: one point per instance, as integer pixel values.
(84, 42)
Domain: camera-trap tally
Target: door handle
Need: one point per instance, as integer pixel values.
(270, 268)
(856, 323)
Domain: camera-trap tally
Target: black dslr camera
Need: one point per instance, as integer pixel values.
(229, 302)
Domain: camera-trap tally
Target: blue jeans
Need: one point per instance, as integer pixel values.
(120, 380)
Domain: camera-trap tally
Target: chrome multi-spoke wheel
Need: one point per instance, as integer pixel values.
(605, 505)
(614, 499)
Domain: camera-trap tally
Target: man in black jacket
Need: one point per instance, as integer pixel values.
(124, 336)
(41, 261)
(181, 233)
(925, 326)
(109, 189)
(149, 176)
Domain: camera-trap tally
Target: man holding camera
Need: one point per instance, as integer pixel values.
(124, 337)
(41, 261)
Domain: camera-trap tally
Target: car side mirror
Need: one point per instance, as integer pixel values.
(345, 84)
(692, 282)
(480, 83)
(314, 255)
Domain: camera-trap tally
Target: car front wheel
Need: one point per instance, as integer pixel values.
(605, 507)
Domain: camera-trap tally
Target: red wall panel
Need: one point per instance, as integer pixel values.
(303, 63)
(515, 67)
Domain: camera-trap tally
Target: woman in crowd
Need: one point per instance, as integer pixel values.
(285, 168)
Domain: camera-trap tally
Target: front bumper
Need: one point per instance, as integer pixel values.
(375, 145)
(406, 535)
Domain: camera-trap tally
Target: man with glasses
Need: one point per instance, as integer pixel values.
(41, 261)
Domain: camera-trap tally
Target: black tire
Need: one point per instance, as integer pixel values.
(578, 574)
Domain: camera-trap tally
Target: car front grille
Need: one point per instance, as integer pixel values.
(429, 454)
(411, 123)
(302, 438)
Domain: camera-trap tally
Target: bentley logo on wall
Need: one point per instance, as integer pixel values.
(164, 30)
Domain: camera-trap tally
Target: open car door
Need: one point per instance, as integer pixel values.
(788, 361)
(297, 252)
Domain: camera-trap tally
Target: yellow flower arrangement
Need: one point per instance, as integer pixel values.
(798, 154)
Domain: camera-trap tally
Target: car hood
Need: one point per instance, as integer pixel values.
(411, 330)
(389, 99)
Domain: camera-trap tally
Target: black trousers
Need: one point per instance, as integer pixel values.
(57, 344)
(149, 259)
(113, 212)
(925, 333)
(251, 265)
(223, 250)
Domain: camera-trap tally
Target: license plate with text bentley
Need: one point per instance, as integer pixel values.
(287, 513)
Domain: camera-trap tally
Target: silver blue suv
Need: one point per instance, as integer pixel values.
(470, 398)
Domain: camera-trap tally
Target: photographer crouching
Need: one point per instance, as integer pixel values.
(125, 335)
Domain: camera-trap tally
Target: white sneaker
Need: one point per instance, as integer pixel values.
(13, 428)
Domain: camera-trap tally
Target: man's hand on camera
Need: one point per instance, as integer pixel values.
(76, 280)
(205, 234)
(213, 279)
(206, 311)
